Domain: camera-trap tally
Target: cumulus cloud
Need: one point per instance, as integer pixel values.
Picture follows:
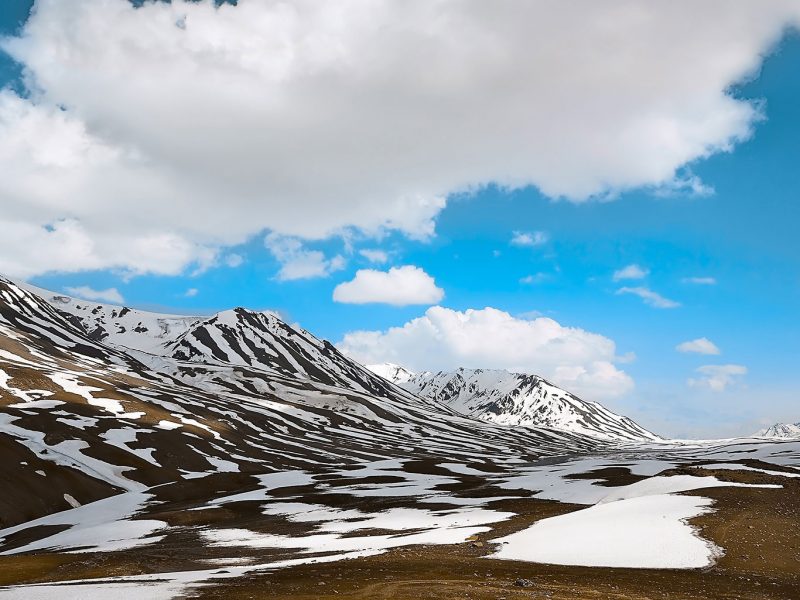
(650, 297)
(529, 238)
(110, 295)
(700, 280)
(442, 338)
(204, 126)
(28, 248)
(698, 346)
(374, 255)
(717, 378)
(399, 286)
(298, 262)
(630, 272)
(191, 292)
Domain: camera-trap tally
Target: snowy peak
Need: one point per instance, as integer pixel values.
(781, 431)
(517, 399)
(262, 340)
(392, 372)
(239, 337)
(50, 330)
(122, 326)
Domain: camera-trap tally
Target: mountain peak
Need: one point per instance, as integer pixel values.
(515, 399)
(781, 431)
(397, 374)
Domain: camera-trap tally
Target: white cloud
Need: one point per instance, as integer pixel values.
(110, 295)
(698, 346)
(234, 260)
(308, 118)
(374, 255)
(700, 280)
(399, 286)
(191, 292)
(717, 377)
(442, 338)
(650, 297)
(28, 249)
(630, 272)
(535, 278)
(529, 238)
(299, 263)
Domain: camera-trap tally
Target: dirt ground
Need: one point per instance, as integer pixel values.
(759, 530)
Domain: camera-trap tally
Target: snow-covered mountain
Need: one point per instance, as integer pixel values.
(781, 431)
(394, 373)
(254, 339)
(259, 343)
(515, 399)
(217, 399)
(118, 325)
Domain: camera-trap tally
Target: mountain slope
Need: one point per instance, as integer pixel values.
(99, 419)
(255, 339)
(781, 431)
(517, 399)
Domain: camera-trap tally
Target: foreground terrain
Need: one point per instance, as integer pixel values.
(157, 456)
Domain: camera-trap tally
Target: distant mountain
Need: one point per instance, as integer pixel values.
(515, 399)
(394, 373)
(781, 431)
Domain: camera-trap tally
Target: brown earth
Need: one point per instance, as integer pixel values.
(758, 528)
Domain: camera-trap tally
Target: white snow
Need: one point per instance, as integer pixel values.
(137, 590)
(735, 467)
(101, 526)
(267, 483)
(647, 532)
(671, 485)
(71, 501)
(642, 525)
(335, 536)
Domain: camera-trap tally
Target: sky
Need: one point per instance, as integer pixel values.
(605, 196)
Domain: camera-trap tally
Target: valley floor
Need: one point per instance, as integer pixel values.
(757, 528)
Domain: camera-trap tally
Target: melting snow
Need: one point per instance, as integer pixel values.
(647, 532)
(641, 525)
(101, 526)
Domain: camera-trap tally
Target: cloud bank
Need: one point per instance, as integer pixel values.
(153, 137)
(442, 339)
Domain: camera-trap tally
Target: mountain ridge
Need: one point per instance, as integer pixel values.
(780, 431)
(99, 419)
(516, 399)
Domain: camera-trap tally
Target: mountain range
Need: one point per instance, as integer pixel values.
(97, 399)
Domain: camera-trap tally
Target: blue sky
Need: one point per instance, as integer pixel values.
(740, 231)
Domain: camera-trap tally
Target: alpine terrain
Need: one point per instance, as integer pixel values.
(515, 399)
(239, 456)
(781, 430)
